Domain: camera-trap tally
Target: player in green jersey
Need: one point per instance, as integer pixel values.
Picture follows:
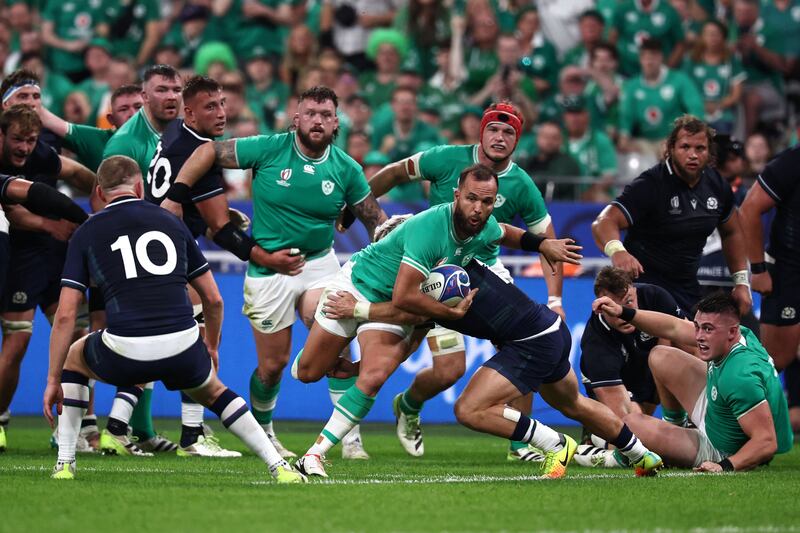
(392, 270)
(301, 182)
(89, 142)
(501, 126)
(731, 389)
(138, 137)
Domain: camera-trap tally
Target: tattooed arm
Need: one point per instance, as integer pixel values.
(223, 153)
(369, 213)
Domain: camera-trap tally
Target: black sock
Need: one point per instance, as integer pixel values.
(190, 434)
(117, 427)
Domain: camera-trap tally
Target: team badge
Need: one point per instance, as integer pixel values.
(667, 92)
(711, 88)
(499, 201)
(327, 187)
(19, 297)
(796, 13)
(467, 259)
(713, 394)
(712, 203)
(653, 115)
(699, 72)
(658, 19)
(787, 313)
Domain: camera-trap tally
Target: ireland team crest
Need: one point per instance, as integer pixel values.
(327, 187)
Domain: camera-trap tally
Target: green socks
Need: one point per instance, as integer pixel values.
(263, 399)
(676, 417)
(408, 405)
(141, 421)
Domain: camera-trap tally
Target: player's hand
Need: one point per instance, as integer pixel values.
(627, 262)
(708, 466)
(173, 207)
(239, 219)
(214, 353)
(560, 250)
(345, 220)
(463, 306)
(53, 395)
(744, 300)
(557, 309)
(288, 261)
(59, 229)
(339, 305)
(761, 283)
(606, 305)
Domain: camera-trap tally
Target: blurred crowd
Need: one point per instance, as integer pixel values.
(598, 81)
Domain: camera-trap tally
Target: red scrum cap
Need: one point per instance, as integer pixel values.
(505, 113)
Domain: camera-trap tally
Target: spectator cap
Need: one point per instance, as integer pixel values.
(213, 52)
(385, 35)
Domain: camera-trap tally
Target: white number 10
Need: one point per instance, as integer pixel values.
(123, 244)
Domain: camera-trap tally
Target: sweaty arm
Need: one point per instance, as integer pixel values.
(77, 175)
(407, 297)
(369, 213)
(657, 324)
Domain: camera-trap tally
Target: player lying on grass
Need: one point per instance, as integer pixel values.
(536, 348)
(141, 257)
(731, 389)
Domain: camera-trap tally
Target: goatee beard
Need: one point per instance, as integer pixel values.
(316, 146)
(463, 226)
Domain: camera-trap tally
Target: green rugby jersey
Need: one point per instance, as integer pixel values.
(734, 386)
(137, 139)
(88, 143)
(715, 82)
(424, 241)
(296, 199)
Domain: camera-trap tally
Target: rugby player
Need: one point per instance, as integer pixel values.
(501, 127)
(301, 182)
(730, 389)
(534, 341)
(142, 258)
(37, 247)
(669, 211)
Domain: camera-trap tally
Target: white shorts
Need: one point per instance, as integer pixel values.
(270, 302)
(502, 272)
(351, 327)
(705, 450)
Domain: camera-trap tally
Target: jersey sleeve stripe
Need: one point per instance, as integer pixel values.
(236, 152)
(365, 197)
(769, 190)
(71, 283)
(209, 194)
(746, 412)
(624, 210)
(540, 226)
(605, 383)
(416, 266)
(198, 271)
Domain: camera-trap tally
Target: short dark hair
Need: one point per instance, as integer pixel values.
(22, 115)
(20, 75)
(604, 45)
(403, 89)
(613, 281)
(593, 14)
(692, 125)
(479, 173)
(165, 71)
(651, 44)
(125, 90)
(320, 94)
(200, 84)
(718, 302)
(116, 171)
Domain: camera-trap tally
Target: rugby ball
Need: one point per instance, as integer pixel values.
(448, 284)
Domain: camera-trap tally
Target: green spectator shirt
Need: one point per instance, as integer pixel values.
(144, 11)
(266, 104)
(715, 82)
(422, 242)
(634, 25)
(55, 89)
(481, 65)
(786, 23)
(605, 117)
(772, 39)
(137, 139)
(296, 199)
(404, 146)
(94, 91)
(542, 63)
(744, 379)
(595, 154)
(88, 143)
(647, 111)
(72, 20)
(375, 92)
(262, 32)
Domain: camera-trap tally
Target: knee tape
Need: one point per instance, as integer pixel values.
(446, 342)
(16, 326)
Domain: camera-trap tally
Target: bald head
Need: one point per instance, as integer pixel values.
(118, 173)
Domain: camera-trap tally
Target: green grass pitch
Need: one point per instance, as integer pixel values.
(462, 484)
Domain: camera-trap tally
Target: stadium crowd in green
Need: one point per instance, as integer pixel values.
(599, 82)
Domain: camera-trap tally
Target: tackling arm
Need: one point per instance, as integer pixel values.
(77, 175)
(653, 323)
(406, 296)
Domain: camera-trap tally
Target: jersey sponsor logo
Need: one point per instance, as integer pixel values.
(694, 203)
(458, 251)
(631, 17)
(712, 203)
(653, 115)
(713, 394)
(787, 313)
(675, 206)
(266, 323)
(19, 297)
(538, 62)
(327, 187)
(499, 201)
(309, 169)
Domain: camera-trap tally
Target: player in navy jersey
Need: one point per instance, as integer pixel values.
(141, 257)
(37, 245)
(533, 356)
(776, 270)
(669, 212)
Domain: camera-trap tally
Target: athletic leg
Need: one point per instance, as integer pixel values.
(680, 379)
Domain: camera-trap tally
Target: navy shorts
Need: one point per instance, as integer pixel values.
(634, 375)
(34, 277)
(528, 364)
(782, 306)
(186, 370)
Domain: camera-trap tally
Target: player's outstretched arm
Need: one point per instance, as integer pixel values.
(553, 250)
(757, 202)
(606, 232)
(21, 218)
(406, 296)
(370, 213)
(760, 447)
(382, 182)
(733, 247)
(223, 153)
(207, 288)
(653, 323)
(555, 283)
(60, 341)
(77, 175)
(342, 305)
(53, 122)
(44, 200)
